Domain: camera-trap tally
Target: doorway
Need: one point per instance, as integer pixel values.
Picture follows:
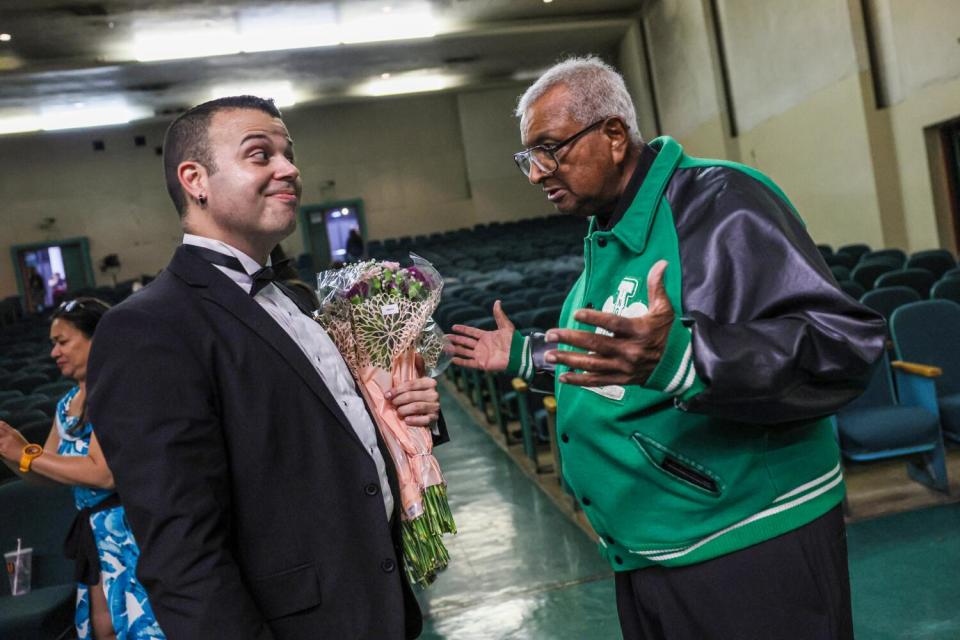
(49, 272)
(950, 144)
(326, 229)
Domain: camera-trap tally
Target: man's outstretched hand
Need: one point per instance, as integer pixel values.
(627, 357)
(485, 350)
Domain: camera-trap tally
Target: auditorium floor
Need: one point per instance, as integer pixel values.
(522, 569)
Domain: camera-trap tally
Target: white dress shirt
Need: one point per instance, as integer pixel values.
(315, 344)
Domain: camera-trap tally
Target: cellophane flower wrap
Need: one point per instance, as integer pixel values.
(379, 316)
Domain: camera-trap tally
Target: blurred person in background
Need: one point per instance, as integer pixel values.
(354, 246)
(37, 291)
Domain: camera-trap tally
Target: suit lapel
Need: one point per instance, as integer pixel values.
(221, 291)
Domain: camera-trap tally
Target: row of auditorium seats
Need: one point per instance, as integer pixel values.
(529, 266)
(911, 407)
(932, 273)
(30, 382)
(12, 311)
(912, 402)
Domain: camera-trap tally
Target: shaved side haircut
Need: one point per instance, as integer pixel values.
(187, 138)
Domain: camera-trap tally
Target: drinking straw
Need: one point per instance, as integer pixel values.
(16, 568)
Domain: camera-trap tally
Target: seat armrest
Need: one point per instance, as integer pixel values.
(917, 387)
(913, 368)
(550, 404)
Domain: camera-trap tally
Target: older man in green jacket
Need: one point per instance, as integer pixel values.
(696, 362)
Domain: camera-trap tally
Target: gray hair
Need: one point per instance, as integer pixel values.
(597, 90)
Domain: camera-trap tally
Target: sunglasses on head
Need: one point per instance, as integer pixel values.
(70, 305)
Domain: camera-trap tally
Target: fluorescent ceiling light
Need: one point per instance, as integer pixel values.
(284, 28)
(184, 40)
(100, 114)
(282, 92)
(19, 124)
(401, 23)
(77, 115)
(9, 63)
(274, 29)
(415, 82)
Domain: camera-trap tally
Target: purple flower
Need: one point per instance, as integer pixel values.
(359, 289)
(416, 274)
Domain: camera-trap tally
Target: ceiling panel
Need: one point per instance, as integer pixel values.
(65, 51)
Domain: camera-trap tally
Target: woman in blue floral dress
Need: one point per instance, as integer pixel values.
(111, 603)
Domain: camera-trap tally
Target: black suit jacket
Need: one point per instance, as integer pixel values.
(257, 510)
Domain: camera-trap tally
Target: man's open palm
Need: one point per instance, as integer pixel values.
(479, 349)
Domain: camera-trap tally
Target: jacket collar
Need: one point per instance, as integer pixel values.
(634, 228)
(218, 289)
(648, 156)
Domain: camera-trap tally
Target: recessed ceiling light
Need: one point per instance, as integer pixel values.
(384, 75)
(101, 114)
(547, 1)
(5, 37)
(413, 82)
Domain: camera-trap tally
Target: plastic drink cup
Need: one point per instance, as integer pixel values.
(19, 564)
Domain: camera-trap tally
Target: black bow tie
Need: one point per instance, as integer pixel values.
(261, 277)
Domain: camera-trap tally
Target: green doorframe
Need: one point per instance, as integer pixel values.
(32, 246)
(308, 209)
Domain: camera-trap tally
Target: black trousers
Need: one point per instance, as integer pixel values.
(793, 587)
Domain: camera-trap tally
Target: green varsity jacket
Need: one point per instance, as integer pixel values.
(728, 443)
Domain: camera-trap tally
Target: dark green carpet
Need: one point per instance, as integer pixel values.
(905, 575)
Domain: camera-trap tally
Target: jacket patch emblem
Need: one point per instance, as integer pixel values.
(622, 306)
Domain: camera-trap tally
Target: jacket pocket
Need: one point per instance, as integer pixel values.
(678, 467)
(287, 592)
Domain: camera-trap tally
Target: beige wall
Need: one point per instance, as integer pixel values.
(802, 93)
(115, 197)
(928, 107)
(631, 63)
(403, 156)
(827, 173)
(492, 134)
(800, 111)
(917, 43)
(421, 164)
(781, 53)
(683, 76)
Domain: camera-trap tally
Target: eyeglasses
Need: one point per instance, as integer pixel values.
(544, 155)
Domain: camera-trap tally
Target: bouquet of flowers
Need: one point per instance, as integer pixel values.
(379, 316)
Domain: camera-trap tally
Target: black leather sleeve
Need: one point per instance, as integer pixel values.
(774, 338)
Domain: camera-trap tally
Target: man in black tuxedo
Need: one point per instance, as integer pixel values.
(250, 469)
